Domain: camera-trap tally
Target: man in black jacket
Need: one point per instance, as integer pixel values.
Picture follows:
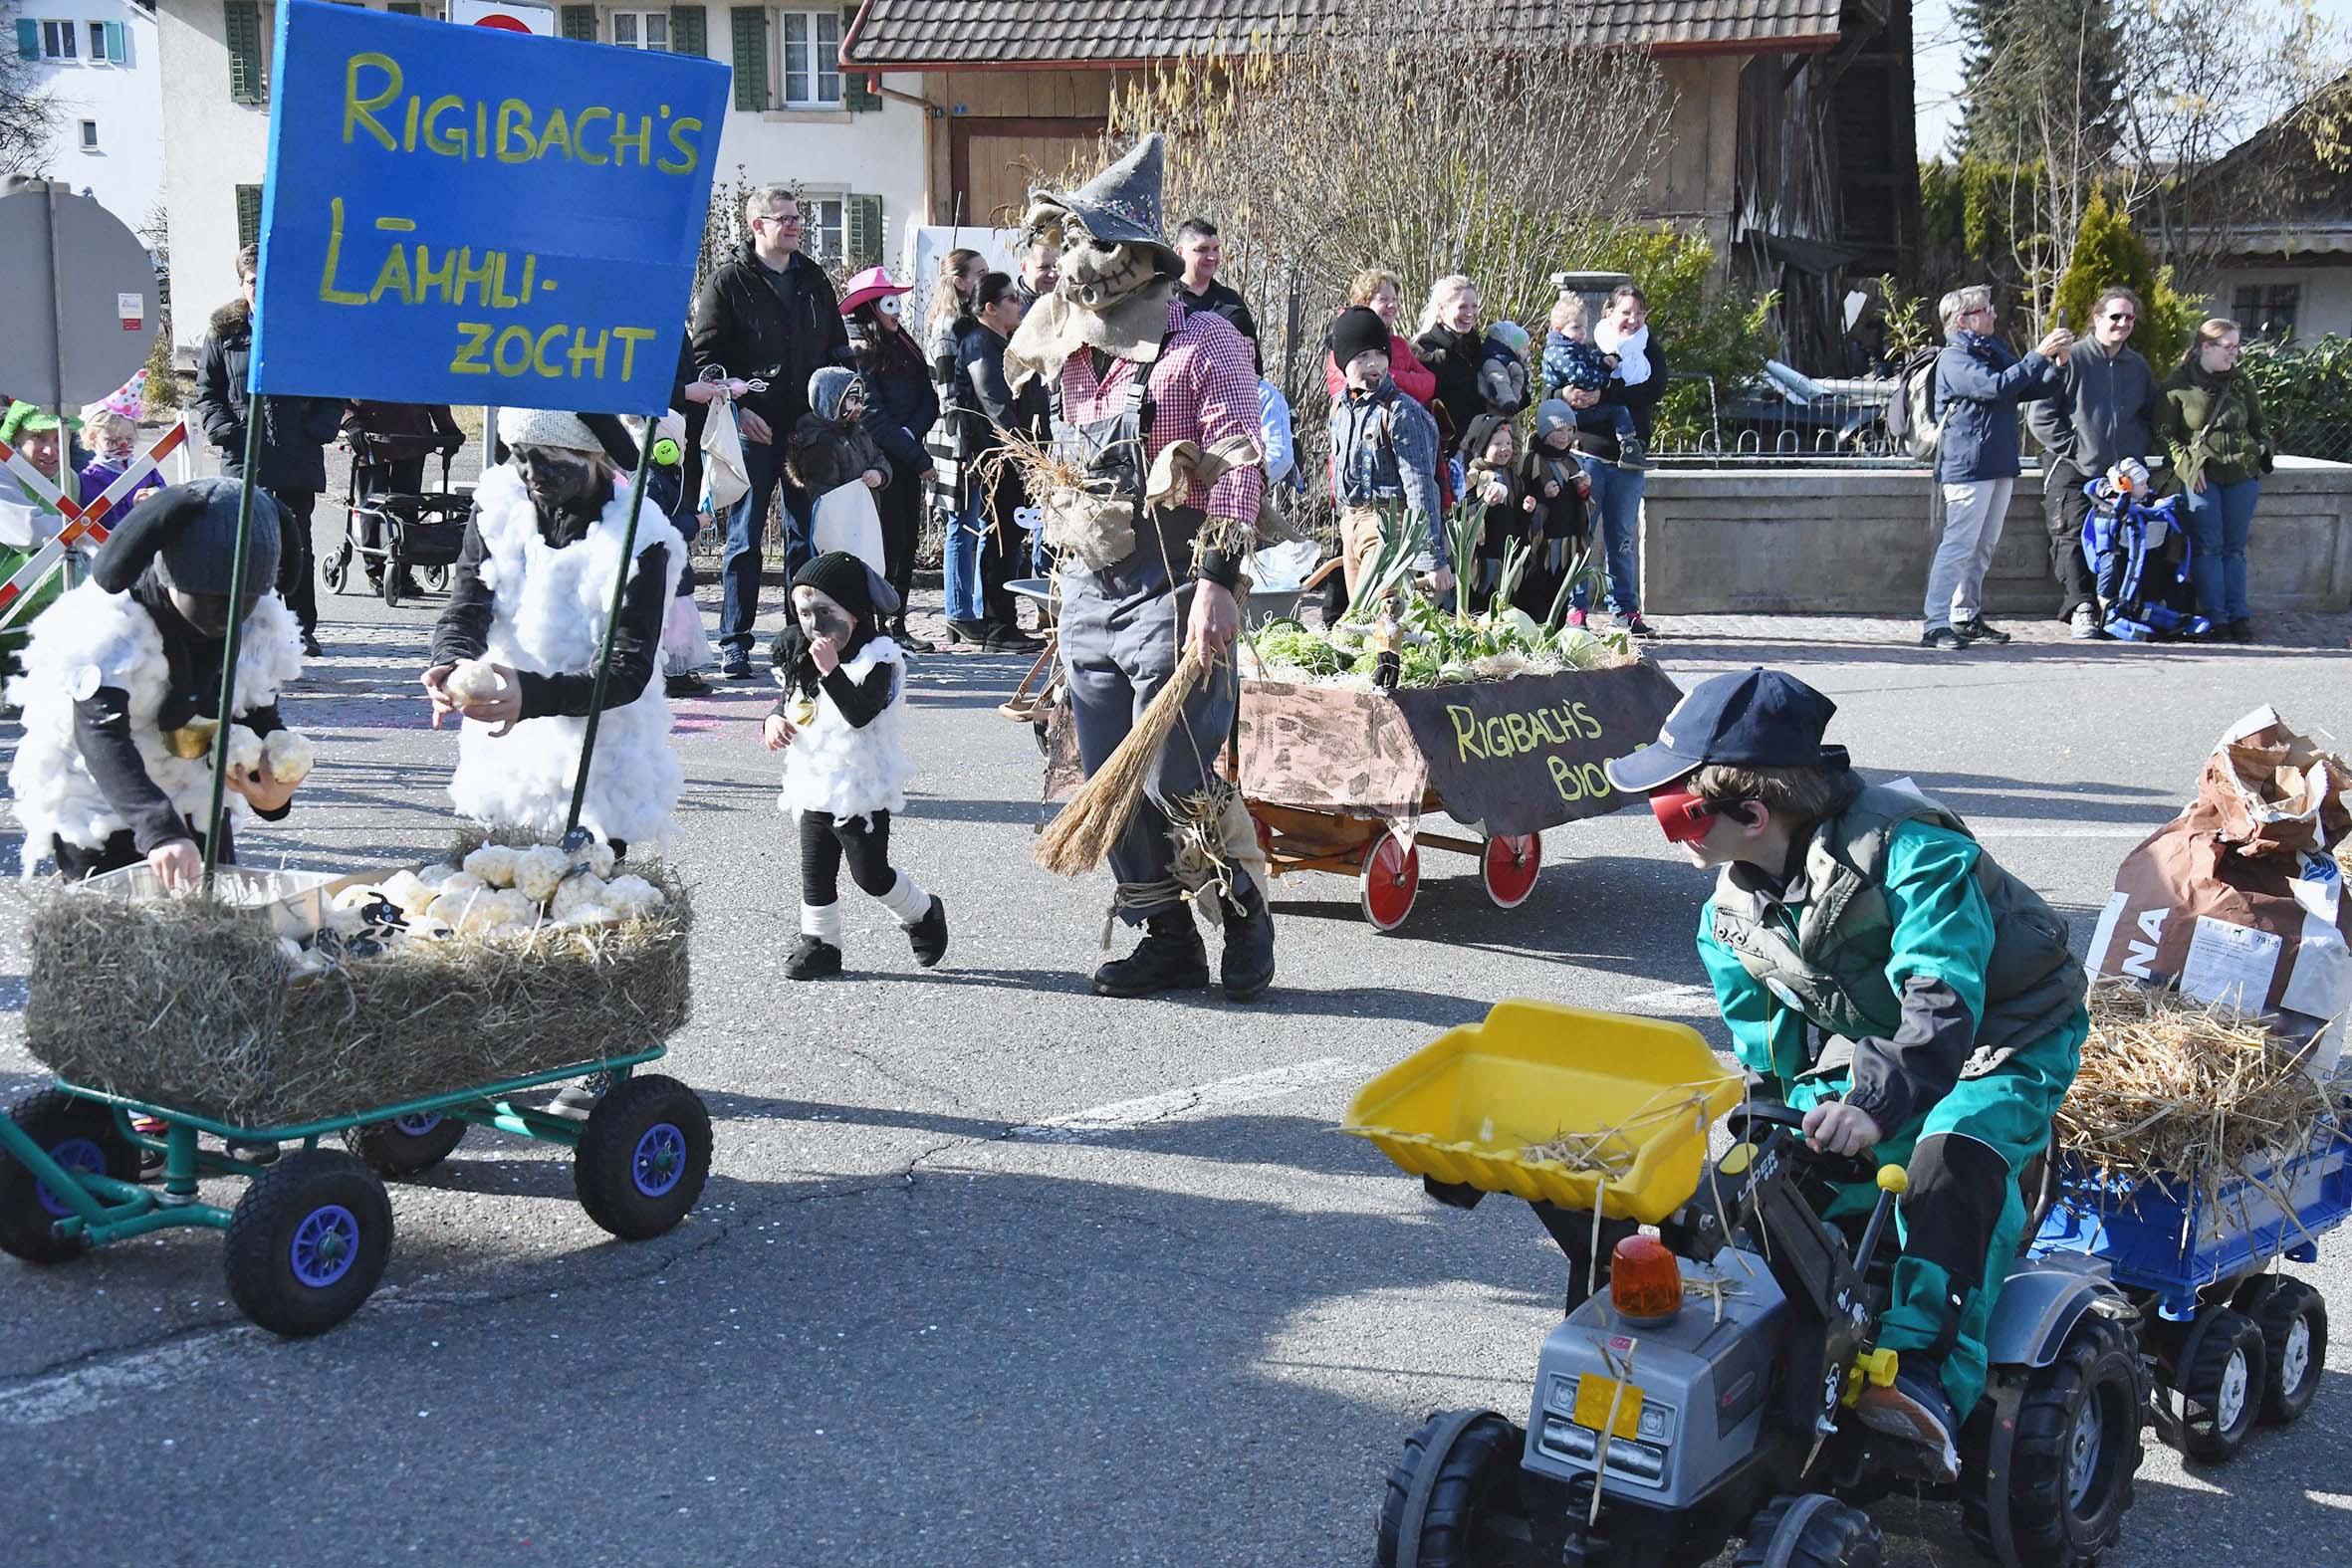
(768, 315)
(1203, 252)
(291, 463)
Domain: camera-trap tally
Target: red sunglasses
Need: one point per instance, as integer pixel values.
(1685, 818)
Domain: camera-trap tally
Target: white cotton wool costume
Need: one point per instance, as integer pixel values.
(91, 638)
(847, 770)
(548, 608)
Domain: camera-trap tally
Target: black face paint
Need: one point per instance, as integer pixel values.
(556, 479)
(823, 618)
(207, 614)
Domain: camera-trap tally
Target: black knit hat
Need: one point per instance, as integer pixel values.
(1360, 330)
(850, 584)
(192, 530)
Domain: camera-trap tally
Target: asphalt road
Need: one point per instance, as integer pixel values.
(991, 1271)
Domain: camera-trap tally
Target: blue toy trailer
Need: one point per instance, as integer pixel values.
(2234, 1340)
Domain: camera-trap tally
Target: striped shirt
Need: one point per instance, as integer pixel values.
(1204, 388)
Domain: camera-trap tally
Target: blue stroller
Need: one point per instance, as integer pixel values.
(2126, 542)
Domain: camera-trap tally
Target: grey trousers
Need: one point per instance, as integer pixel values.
(1121, 634)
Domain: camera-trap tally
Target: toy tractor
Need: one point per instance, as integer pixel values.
(1701, 1388)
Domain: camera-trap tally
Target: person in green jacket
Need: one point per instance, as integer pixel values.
(1878, 971)
(2211, 422)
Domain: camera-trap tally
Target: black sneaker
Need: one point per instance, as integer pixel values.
(685, 684)
(1914, 1407)
(1171, 956)
(1245, 968)
(1944, 639)
(576, 1100)
(928, 936)
(1631, 456)
(813, 958)
(735, 666)
(1980, 630)
(309, 647)
(1636, 626)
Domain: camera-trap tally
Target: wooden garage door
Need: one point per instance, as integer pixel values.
(997, 160)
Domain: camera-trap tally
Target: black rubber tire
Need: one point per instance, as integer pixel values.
(1476, 1477)
(1812, 1531)
(432, 579)
(335, 569)
(2278, 1309)
(2212, 1380)
(603, 1168)
(53, 1118)
(391, 1152)
(2099, 1372)
(271, 1217)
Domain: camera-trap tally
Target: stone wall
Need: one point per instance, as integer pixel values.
(1857, 541)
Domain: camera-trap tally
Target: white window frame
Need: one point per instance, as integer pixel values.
(823, 241)
(96, 37)
(52, 32)
(89, 135)
(819, 59)
(641, 24)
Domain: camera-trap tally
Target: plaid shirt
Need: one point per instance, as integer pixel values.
(1203, 389)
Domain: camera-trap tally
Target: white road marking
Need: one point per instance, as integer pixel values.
(1184, 1104)
(1692, 1000)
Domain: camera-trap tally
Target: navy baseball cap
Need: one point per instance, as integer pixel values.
(1756, 718)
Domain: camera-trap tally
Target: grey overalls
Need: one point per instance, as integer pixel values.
(1121, 634)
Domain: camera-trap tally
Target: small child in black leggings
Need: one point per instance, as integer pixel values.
(838, 723)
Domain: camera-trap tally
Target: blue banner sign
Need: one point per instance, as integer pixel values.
(469, 215)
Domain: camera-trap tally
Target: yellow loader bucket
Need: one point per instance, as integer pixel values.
(1554, 1104)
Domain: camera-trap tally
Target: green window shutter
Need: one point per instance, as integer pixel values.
(862, 219)
(750, 55)
(248, 65)
(690, 31)
(117, 51)
(579, 22)
(28, 37)
(856, 96)
(248, 215)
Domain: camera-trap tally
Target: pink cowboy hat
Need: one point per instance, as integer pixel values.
(868, 286)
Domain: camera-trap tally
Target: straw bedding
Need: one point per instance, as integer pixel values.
(2175, 1089)
(191, 1003)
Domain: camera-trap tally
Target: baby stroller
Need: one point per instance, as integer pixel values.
(2140, 554)
(401, 535)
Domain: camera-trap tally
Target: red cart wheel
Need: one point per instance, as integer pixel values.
(1391, 879)
(1508, 867)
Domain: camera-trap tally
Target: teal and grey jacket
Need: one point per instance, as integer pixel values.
(1895, 951)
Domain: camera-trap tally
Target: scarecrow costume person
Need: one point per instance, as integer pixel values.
(120, 690)
(841, 724)
(530, 595)
(1158, 411)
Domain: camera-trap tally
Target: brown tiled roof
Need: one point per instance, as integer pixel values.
(909, 34)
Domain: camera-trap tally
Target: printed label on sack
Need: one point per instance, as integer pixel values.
(2231, 965)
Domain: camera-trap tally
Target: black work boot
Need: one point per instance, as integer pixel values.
(1171, 956)
(1247, 965)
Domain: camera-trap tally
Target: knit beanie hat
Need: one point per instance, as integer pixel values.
(1360, 330)
(850, 584)
(190, 532)
(547, 427)
(1511, 335)
(23, 419)
(1550, 414)
(828, 387)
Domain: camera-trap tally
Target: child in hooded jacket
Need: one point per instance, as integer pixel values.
(1502, 369)
(840, 722)
(1560, 487)
(1494, 483)
(830, 447)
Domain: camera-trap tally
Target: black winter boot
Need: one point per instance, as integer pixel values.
(813, 958)
(928, 936)
(1247, 965)
(1171, 956)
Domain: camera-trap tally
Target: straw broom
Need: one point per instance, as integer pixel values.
(1076, 841)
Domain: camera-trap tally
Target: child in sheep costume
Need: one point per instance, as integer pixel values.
(839, 723)
(121, 678)
(529, 594)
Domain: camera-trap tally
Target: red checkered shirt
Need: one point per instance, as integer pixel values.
(1203, 389)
